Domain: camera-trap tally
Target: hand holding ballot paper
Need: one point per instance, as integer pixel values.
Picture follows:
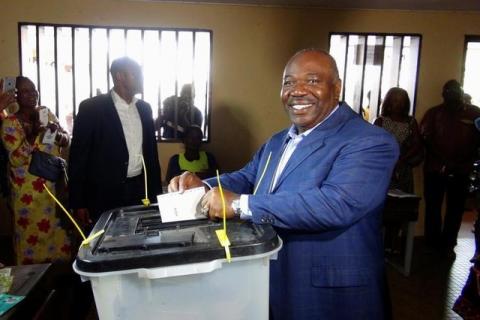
(176, 206)
(211, 203)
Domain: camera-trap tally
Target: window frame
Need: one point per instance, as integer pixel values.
(468, 38)
(384, 35)
(208, 100)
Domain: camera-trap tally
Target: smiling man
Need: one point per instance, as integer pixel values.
(323, 190)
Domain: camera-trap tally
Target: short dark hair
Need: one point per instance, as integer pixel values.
(121, 64)
(193, 128)
(20, 79)
(333, 63)
(452, 83)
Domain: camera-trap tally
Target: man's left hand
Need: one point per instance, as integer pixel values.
(185, 181)
(213, 202)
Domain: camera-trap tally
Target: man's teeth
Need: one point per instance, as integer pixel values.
(300, 106)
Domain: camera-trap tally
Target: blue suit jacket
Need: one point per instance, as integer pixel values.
(98, 160)
(327, 208)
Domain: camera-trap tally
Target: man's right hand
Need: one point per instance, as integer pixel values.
(83, 216)
(186, 180)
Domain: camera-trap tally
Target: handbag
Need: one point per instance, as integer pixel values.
(46, 166)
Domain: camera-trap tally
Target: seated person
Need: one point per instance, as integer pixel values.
(201, 163)
(178, 113)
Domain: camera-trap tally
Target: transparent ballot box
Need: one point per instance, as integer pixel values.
(141, 268)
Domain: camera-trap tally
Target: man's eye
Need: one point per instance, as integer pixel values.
(313, 81)
(287, 82)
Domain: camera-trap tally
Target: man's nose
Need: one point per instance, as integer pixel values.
(299, 89)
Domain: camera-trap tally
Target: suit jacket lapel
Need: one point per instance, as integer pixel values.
(306, 147)
(114, 119)
(315, 140)
(277, 147)
(143, 119)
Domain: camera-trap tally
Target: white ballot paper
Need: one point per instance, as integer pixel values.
(175, 206)
(49, 137)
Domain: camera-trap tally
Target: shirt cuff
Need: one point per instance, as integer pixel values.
(245, 212)
(207, 184)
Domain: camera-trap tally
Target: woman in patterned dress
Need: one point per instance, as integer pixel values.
(395, 119)
(38, 235)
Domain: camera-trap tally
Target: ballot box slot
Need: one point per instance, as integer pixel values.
(148, 241)
(154, 222)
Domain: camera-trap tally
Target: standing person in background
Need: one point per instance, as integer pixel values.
(38, 236)
(467, 98)
(451, 144)
(178, 113)
(325, 182)
(202, 163)
(6, 98)
(396, 120)
(111, 133)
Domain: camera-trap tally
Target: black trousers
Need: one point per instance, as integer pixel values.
(131, 193)
(436, 186)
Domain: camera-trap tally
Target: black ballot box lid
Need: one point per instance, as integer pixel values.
(135, 237)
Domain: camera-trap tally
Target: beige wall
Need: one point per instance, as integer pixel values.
(250, 47)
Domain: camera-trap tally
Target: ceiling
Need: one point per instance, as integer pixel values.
(461, 5)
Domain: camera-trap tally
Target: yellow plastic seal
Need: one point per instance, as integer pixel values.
(85, 241)
(222, 233)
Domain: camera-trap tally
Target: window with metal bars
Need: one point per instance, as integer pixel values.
(70, 63)
(370, 64)
(471, 69)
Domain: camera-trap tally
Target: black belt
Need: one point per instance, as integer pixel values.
(134, 179)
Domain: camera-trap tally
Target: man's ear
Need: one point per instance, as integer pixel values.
(338, 89)
(118, 76)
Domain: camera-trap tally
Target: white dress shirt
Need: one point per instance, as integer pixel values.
(132, 130)
(293, 141)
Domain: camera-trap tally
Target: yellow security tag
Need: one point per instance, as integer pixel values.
(92, 237)
(65, 210)
(222, 233)
(146, 201)
(85, 241)
(224, 242)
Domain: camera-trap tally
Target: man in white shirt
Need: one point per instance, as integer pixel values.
(112, 132)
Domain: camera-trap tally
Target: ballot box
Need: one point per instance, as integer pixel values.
(141, 268)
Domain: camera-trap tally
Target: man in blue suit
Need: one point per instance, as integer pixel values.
(323, 190)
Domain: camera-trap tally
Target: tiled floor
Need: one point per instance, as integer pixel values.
(435, 282)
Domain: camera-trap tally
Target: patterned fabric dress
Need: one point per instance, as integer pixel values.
(402, 177)
(38, 235)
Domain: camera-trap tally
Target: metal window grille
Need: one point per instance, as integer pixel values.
(70, 63)
(471, 68)
(370, 64)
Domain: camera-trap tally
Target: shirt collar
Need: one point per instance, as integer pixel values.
(117, 99)
(292, 132)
